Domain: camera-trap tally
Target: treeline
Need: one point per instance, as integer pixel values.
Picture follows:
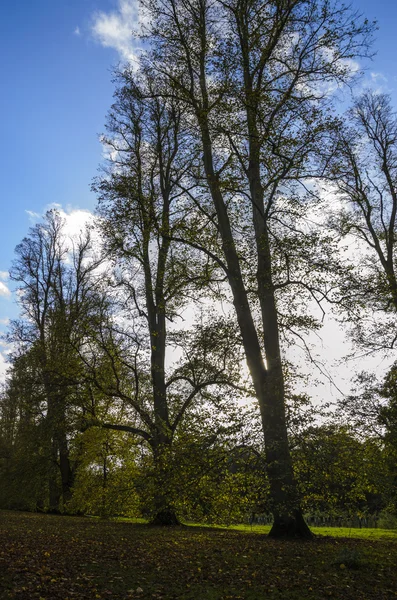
(229, 193)
(223, 481)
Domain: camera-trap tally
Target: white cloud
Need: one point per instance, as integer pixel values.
(378, 77)
(33, 216)
(4, 291)
(115, 29)
(353, 67)
(377, 82)
(6, 349)
(76, 219)
(4, 275)
(5, 321)
(4, 366)
(75, 222)
(77, 31)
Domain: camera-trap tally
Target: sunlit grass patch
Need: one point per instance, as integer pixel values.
(337, 532)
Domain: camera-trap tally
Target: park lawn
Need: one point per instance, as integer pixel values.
(344, 532)
(63, 558)
(365, 533)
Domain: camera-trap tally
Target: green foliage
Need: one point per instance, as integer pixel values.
(24, 475)
(338, 474)
(24, 463)
(106, 475)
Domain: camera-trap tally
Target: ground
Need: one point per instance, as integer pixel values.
(64, 558)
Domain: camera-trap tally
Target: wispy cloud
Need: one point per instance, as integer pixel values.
(77, 31)
(33, 216)
(376, 81)
(4, 291)
(4, 275)
(376, 76)
(3, 367)
(115, 29)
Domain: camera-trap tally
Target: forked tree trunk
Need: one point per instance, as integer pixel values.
(288, 518)
(268, 380)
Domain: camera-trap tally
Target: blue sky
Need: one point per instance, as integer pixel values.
(57, 57)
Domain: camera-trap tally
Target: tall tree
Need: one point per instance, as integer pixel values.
(253, 75)
(142, 208)
(55, 295)
(364, 172)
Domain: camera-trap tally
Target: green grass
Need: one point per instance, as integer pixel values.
(337, 532)
(65, 558)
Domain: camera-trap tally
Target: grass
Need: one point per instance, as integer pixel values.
(45, 557)
(337, 532)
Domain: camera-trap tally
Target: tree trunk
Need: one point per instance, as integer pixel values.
(290, 526)
(164, 509)
(268, 382)
(165, 517)
(288, 518)
(60, 463)
(67, 477)
(54, 492)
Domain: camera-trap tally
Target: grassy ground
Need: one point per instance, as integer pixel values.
(63, 558)
(344, 532)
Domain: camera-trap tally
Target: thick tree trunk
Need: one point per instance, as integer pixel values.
(290, 526)
(60, 463)
(164, 509)
(268, 380)
(54, 492)
(67, 478)
(288, 518)
(165, 517)
(59, 487)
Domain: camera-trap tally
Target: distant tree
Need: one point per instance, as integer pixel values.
(56, 295)
(364, 172)
(363, 169)
(388, 413)
(24, 469)
(339, 474)
(364, 406)
(372, 411)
